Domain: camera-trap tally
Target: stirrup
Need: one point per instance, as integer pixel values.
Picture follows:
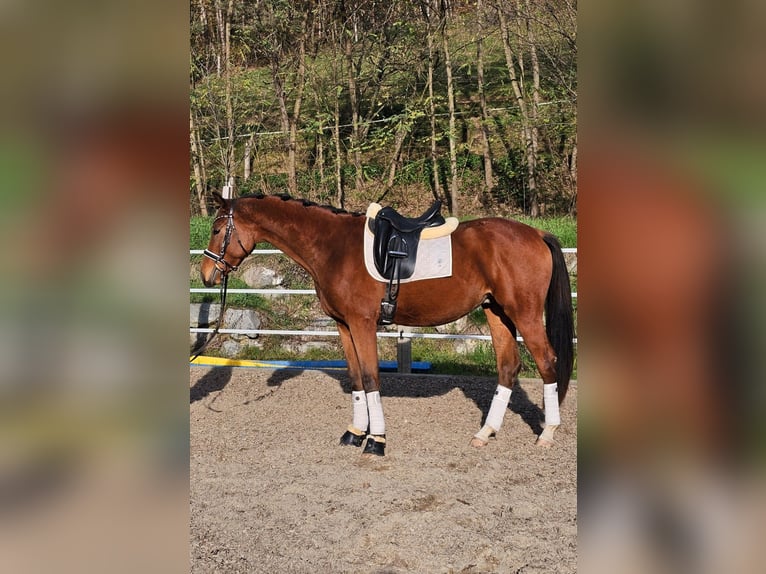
(387, 312)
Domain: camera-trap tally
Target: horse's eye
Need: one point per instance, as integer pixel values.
(216, 231)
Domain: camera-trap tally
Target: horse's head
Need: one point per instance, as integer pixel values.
(225, 251)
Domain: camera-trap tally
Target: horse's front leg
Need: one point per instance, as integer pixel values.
(357, 430)
(361, 348)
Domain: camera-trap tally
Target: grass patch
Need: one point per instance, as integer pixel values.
(199, 232)
(563, 227)
(246, 300)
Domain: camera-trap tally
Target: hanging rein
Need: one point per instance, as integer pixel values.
(224, 268)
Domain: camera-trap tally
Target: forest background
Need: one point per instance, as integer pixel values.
(345, 102)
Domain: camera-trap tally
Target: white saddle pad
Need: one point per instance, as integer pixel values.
(434, 259)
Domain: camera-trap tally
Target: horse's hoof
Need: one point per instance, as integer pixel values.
(478, 443)
(375, 445)
(545, 440)
(351, 439)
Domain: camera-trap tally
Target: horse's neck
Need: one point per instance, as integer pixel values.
(305, 234)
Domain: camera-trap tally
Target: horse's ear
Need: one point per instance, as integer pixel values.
(220, 201)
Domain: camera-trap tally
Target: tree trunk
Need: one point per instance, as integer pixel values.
(284, 116)
(224, 27)
(292, 177)
(531, 199)
(339, 196)
(354, 100)
(320, 152)
(432, 109)
(202, 13)
(452, 130)
(534, 206)
(573, 177)
(486, 150)
(197, 160)
(248, 157)
(401, 135)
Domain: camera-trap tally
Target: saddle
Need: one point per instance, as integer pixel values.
(395, 246)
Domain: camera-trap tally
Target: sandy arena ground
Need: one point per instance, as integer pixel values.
(272, 492)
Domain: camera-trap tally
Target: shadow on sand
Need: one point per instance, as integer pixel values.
(479, 390)
(214, 380)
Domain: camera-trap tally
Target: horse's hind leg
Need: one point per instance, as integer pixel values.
(508, 367)
(533, 331)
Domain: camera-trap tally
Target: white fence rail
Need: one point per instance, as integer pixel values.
(401, 334)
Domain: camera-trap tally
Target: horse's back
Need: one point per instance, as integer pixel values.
(496, 242)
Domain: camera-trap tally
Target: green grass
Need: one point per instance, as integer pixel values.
(199, 232)
(564, 227)
(246, 300)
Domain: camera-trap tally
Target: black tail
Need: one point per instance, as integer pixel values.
(559, 323)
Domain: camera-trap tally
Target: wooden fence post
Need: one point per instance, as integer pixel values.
(403, 355)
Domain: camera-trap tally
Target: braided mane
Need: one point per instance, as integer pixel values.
(304, 202)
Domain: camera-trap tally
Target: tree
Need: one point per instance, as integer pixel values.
(351, 99)
(486, 149)
(527, 126)
(429, 15)
(198, 165)
(285, 26)
(452, 134)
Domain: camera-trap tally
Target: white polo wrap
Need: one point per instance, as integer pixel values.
(551, 402)
(359, 401)
(498, 407)
(375, 408)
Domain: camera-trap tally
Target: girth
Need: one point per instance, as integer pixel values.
(395, 249)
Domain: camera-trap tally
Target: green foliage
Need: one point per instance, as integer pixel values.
(389, 65)
(199, 232)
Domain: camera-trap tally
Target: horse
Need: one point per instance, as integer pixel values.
(516, 273)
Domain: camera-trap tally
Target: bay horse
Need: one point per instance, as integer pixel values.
(515, 272)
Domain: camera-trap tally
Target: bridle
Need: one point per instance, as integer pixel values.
(224, 270)
(219, 257)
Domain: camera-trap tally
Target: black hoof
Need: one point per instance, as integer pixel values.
(351, 439)
(374, 447)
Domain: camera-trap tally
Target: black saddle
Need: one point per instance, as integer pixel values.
(431, 218)
(395, 249)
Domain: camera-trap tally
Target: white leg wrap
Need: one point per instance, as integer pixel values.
(498, 407)
(377, 424)
(484, 434)
(551, 402)
(360, 420)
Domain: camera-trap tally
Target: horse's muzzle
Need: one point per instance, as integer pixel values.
(211, 279)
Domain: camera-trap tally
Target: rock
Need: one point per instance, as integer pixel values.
(571, 261)
(242, 319)
(204, 314)
(232, 347)
(258, 277)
